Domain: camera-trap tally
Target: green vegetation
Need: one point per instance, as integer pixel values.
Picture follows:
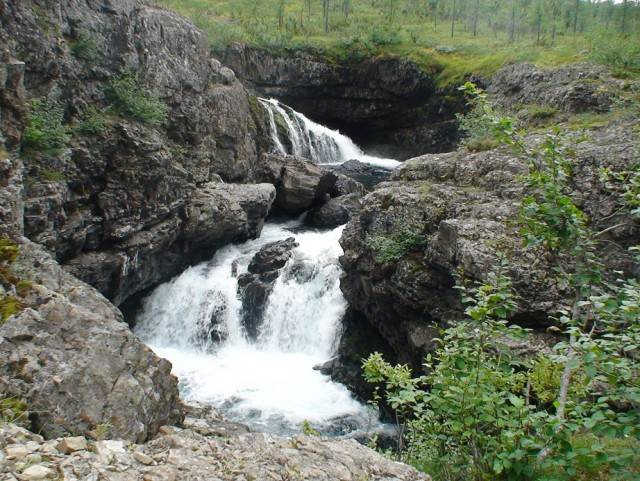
(14, 410)
(9, 306)
(476, 124)
(308, 429)
(85, 47)
(93, 121)
(50, 175)
(573, 413)
(131, 99)
(452, 38)
(393, 246)
(45, 131)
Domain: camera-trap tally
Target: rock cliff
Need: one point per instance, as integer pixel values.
(119, 199)
(126, 153)
(388, 105)
(454, 212)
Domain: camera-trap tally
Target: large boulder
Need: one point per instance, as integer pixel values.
(334, 212)
(255, 285)
(216, 214)
(70, 357)
(299, 182)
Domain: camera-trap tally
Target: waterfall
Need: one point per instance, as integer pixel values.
(316, 142)
(269, 382)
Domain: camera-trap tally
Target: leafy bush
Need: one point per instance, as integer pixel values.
(620, 53)
(45, 131)
(93, 121)
(476, 124)
(130, 99)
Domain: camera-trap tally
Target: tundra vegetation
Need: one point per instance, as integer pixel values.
(451, 38)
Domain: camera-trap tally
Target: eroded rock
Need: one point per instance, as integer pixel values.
(71, 358)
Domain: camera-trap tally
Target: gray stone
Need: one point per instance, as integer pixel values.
(36, 473)
(72, 444)
(465, 205)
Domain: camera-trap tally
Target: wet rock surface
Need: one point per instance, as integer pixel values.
(255, 286)
(299, 183)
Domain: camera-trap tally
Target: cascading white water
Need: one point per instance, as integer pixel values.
(314, 141)
(268, 383)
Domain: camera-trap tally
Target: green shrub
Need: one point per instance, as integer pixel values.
(93, 121)
(393, 246)
(477, 124)
(50, 175)
(86, 47)
(9, 306)
(620, 53)
(45, 131)
(131, 99)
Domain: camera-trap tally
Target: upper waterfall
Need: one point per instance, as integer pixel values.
(293, 133)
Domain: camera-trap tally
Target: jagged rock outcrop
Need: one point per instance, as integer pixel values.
(386, 103)
(176, 455)
(299, 183)
(464, 206)
(65, 349)
(334, 212)
(118, 193)
(255, 286)
(67, 353)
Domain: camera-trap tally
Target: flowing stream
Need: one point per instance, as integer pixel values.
(267, 381)
(195, 321)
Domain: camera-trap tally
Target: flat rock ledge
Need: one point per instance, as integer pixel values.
(183, 454)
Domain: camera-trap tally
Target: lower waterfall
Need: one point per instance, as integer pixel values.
(268, 382)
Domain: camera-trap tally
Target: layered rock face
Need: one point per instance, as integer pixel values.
(464, 206)
(65, 349)
(124, 204)
(389, 105)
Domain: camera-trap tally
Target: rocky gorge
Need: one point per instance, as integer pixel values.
(122, 204)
